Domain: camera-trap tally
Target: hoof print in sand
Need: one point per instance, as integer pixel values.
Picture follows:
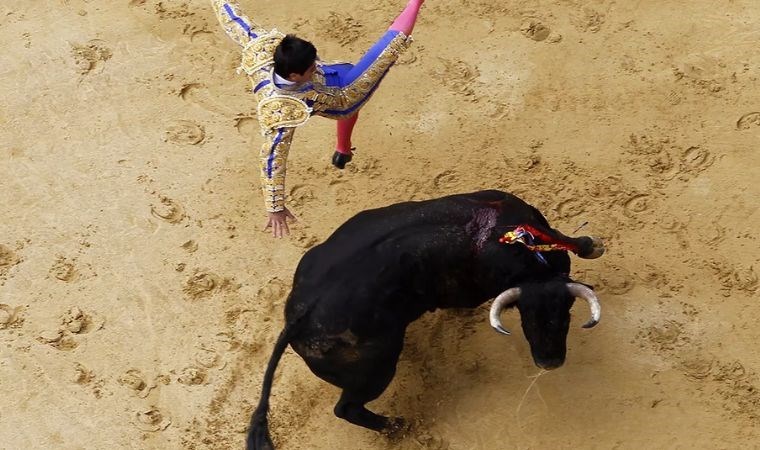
(185, 132)
(8, 259)
(193, 376)
(73, 323)
(151, 420)
(77, 322)
(537, 31)
(748, 121)
(637, 204)
(82, 375)
(63, 269)
(88, 56)
(696, 159)
(570, 208)
(10, 317)
(201, 284)
(169, 210)
(133, 380)
(190, 246)
(58, 339)
(209, 359)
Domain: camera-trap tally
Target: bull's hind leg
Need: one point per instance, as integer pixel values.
(362, 390)
(361, 367)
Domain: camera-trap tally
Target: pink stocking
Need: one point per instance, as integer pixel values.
(345, 128)
(405, 21)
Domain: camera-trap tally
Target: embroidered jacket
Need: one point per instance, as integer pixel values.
(283, 108)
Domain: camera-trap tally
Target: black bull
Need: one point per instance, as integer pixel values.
(354, 295)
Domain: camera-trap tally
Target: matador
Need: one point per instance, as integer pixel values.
(291, 84)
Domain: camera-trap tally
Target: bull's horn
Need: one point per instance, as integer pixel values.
(504, 299)
(581, 291)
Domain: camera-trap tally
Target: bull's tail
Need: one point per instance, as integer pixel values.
(258, 434)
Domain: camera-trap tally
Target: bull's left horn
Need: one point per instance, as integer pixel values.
(504, 299)
(581, 291)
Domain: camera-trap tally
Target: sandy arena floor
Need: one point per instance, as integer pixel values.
(139, 298)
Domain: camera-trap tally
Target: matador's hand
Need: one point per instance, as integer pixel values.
(278, 221)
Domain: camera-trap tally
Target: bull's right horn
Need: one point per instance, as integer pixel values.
(504, 299)
(580, 291)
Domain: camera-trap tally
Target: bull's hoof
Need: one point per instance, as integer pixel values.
(396, 429)
(597, 246)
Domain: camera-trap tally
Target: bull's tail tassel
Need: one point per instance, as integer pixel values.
(258, 435)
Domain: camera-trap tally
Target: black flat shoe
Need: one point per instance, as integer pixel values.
(339, 159)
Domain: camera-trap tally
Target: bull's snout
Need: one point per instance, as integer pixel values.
(549, 363)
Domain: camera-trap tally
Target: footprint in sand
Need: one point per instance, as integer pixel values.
(537, 31)
(748, 121)
(190, 246)
(457, 75)
(58, 339)
(173, 11)
(82, 375)
(63, 269)
(273, 293)
(343, 191)
(588, 20)
(77, 322)
(89, 56)
(193, 376)
(168, 210)
(201, 284)
(208, 358)
(340, 27)
(10, 317)
(573, 207)
(614, 280)
(151, 420)
(446, 180)
(637, 204)
(696, 367)
(608, 188)
(735, 278)
(200, 95)
(301, 194)
(247, 125)
(134, 380)
(429, 441)
(696, 159)
(185, 132)
(8, 259)
(72, 323)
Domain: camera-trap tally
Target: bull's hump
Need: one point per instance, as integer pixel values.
(481, 225)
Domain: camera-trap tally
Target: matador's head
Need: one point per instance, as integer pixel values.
(295, 59)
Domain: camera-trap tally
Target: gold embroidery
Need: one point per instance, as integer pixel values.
(329, 98)
(259, 52)
(282, 111)
(274, 156)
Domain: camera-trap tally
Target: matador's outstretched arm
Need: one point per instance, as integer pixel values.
(237, 25)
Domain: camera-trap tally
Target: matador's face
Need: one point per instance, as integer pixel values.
(306, 76)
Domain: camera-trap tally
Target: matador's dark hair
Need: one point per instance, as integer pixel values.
(293, 55)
